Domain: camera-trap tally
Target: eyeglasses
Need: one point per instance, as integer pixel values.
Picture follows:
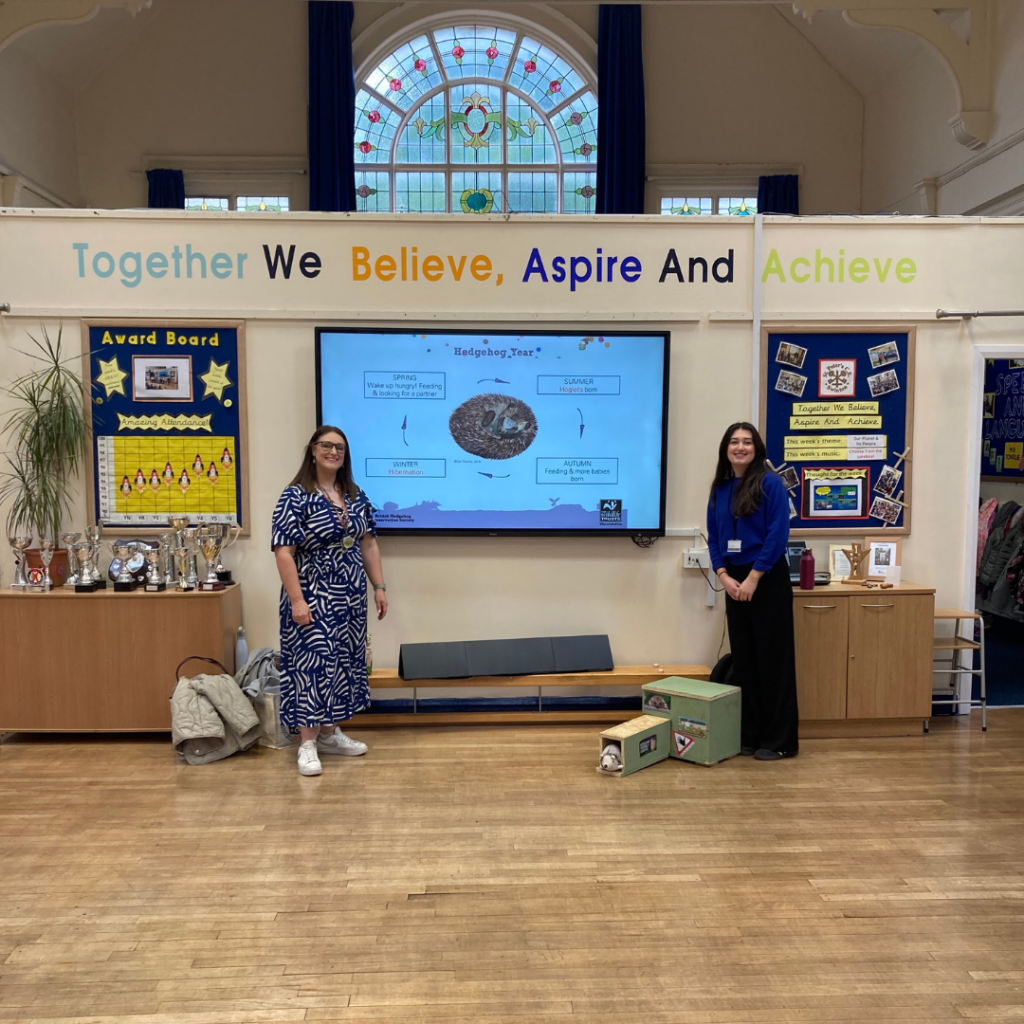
(330, 446)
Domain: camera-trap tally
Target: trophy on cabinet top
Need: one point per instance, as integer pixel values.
(124, 581)
(19, 542)
(857, 557)
(211, 538)
(181, 557)
(86, 582)
(70, 541)
(46, 546)
(154, 577)
(92, 535)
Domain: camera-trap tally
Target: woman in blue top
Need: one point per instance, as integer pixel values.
(324, 540)
(748, 527)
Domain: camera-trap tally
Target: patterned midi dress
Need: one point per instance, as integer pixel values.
(323, 665)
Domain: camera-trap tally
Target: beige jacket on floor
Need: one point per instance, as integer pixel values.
(211, 719)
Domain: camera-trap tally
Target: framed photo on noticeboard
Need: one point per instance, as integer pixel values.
(168, 426)
(837, 418)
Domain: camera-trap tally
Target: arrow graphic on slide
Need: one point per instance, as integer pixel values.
(492, 476)
(405, 421)
(496, 380)
(583, 426)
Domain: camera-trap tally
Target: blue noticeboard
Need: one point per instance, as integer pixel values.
(1002, 425)
(167, 408)
(837, 415)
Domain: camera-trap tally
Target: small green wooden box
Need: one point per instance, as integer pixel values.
(705, 717)
(642, 742)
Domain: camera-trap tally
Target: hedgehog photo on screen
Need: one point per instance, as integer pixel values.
(493, 426)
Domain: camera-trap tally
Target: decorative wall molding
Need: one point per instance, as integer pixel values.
(20, 16)
(969, 60)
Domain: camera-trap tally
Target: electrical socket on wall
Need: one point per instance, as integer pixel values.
(697, 558)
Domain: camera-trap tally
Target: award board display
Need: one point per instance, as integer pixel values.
(167, 411)
(837, 421)
(487, 432)
(1002, 425)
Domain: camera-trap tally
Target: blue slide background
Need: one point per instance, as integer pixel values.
(622, 431)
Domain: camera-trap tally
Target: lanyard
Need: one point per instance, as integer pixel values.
(732, 508)
(347, 540)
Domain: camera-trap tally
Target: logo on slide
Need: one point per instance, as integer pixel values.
(611, 511)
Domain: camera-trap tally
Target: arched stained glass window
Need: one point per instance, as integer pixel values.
(476, 119)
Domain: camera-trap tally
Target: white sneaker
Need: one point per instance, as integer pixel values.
(338, 743)
(309, 763)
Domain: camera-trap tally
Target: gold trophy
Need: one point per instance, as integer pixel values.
(211, 539)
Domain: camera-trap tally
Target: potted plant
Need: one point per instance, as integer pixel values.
(46, 435)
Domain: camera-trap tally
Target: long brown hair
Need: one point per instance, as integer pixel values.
(748, 499)
(306, 476)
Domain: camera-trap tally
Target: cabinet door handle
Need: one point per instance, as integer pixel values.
(818, 606)
(878, 606)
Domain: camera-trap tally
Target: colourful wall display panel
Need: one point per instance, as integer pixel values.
(1002, 425)
(837, 411)
(167, 407)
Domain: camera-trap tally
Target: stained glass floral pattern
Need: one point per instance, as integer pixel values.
(576, 127)
(375, 128)
(207, 203)
(373, 194)
(424, 138)
(406, 74)
(579, 190)
(476, 124)
(480, 95)
(475, 51)
(694, 206)
(476, 192)
(258, 204)
(542, 75)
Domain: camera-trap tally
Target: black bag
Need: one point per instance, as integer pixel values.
(723, 671)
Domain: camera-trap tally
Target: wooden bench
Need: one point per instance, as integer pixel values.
(622, 676)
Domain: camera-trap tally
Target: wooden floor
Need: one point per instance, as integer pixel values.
(488, 874)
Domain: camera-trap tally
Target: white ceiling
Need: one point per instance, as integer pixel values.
(76, 54)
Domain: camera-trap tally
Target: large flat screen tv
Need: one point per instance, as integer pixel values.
(500, 432)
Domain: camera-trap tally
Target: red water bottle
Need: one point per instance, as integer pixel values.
(807, 570)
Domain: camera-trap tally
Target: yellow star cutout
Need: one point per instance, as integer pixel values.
(216, 380)
(111, 376)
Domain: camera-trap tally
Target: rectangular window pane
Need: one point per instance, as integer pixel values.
(576, 126)
(372, 192)
(579, 191)
(476, 192)
(694, 206)
(419, 192)
(207, 203)
(375, 129)
(257, 204)
(533, 193)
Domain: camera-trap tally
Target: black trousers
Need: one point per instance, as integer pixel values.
(764, 659)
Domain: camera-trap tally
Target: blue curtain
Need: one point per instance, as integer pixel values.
(166, 189)
(621, 120)
(332, 106)
(778, 193)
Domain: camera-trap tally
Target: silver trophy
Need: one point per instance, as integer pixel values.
(211, 538)
(124, 581)
(46, 557)
(167, 543)
(190, 541)
(19, 542)
(182, 560)
(83, 555)
(70, 540)
(154, 578)
(92, 535)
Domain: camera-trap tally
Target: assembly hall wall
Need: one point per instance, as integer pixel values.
(468, 588)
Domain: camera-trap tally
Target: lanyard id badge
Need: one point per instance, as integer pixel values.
(734, 547)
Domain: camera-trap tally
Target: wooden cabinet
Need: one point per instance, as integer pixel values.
(863, 659)
(105, 662)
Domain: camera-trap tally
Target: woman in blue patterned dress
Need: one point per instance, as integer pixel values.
(324, 540)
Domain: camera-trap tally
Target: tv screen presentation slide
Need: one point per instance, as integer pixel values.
(486, 432)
